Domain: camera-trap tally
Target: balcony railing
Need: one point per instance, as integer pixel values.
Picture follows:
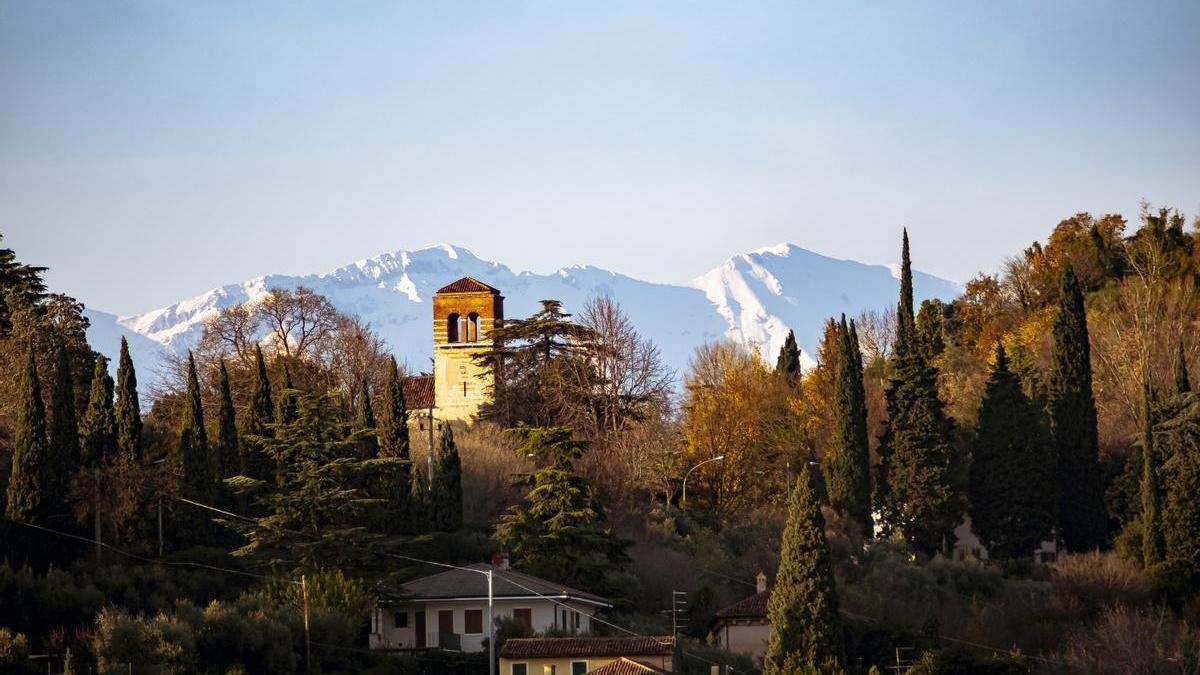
(447, 641)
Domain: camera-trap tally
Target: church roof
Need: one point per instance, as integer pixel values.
(468, 285)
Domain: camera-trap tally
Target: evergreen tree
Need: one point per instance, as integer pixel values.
(63, 451)
(445, 491)
(1153, 546)
(848, 464)
(258, 422)
(394, 443)
(229, 457)
(1021, 364)
(128, 412)
(917, 458)
(929, 327)
(1010, 484)
(803, 607)
(1177, 439)
(191, 458)
(18, 282)
(31, 474)
(418, 504)
(99, 430)
(287, 397)
(1071, 408)
(364, 420)
(788, 363)
(558, 530)
(1182, 385)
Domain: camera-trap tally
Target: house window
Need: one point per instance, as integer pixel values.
(452, 334)
(473, 621)
(523, 615)
(400, 619)
(519, 669)
(576, 621)
(578, 667)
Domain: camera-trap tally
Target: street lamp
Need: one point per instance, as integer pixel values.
(683, 498)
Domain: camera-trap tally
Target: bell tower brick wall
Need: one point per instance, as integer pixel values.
(464, 314)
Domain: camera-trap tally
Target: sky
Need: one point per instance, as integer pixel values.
(152, 150)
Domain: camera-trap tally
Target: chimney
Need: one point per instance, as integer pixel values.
(760, 582)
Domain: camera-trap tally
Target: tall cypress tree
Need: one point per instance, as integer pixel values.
(1182, 385)
(916, 455)
(1071, 408)
(191, 458)
(364, 420)
(803, 608)
(63, 455)
(258, 422)
(1011, 486)
(1177, 439)
(394, 443)
(1153, 545)
(788, 363)
(30, 475)
(229, 457)
(848, 465)
(418, 500)
(99, 429)
(128, 412)
(445, 492)
(287, 397)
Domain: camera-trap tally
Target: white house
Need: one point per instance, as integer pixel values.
(743, 628)
(449, 610)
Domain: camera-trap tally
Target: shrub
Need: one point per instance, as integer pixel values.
(1127, 640)
(14, 653)
(1099, 580)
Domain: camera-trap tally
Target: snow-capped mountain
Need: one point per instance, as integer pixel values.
(754, 297)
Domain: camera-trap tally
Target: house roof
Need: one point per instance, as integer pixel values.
(753, 607)
(624, 666)
(418, 391)
(567, 647)
(458, 584)
(467, 285)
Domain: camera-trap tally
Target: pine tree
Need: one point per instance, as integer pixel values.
(394, 443)
(229, 457)
(848, 464)
(99, 429)
(445, 491)
(1071, 408)
(1153, 545)
(191, 458)
(916, 455)
(287, 397)
(128, 413)
(63, 447)
(788, 363)
(1182, 385)
(364, 420)
(30, 475)
(1010, 485)
(258, 422)
(803, 607)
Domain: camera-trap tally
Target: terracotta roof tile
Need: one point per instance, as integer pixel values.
(541, 648)
(418, 391)
(753, 607)
(467, 285)
(624, 666)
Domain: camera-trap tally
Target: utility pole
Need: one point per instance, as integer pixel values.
(96, 479)
(307, 636)
(491, 629)
(160, 537)
(678, 604)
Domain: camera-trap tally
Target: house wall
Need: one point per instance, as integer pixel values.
(384, 634)
(749, 637)
(563, 666)
(968, 545)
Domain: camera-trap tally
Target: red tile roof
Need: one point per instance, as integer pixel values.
(543, 648)
(624, 666)
(753, 607)
(467, 285)
(418, 391)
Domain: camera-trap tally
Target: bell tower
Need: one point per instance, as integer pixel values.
(464, 314)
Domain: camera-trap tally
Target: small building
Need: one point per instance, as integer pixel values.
(743, 627)
(639, 655)
(449, 610)
(967, 545)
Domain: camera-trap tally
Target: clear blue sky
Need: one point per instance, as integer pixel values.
(151, 150)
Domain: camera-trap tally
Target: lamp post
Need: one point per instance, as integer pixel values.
(683, 498)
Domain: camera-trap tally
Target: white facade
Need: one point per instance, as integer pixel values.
(967, 545)
(420, 624)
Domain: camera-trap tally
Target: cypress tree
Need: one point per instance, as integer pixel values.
(1177, 439)
(99, 428)
(445, 492)
(30, 475)
(128, 413)
(1071, 408)
(394, 443)
(1153, 545)
(788, 363)
(365, 421)
(63, 455)
(1182, 386)
(287, 397)
(258, 422)
(848, 466)
(191, 457)
(229, 457)
(803, 608)
(915, 451)
(1010, 485)
(418, 504)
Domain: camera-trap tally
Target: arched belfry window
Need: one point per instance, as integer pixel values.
(452, 332)
(472, 327)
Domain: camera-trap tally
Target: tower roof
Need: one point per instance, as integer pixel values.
(467, 285)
